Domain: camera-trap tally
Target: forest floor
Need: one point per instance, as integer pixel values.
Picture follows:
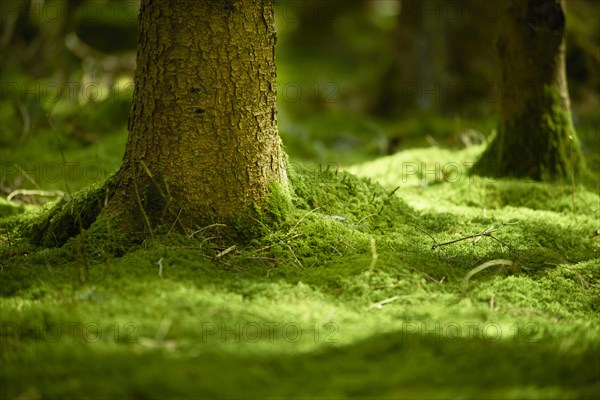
(357, 293)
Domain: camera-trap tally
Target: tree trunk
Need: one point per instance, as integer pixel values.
(203, 146)
(400, 83)
(535, 136)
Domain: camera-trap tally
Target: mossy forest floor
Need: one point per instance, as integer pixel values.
(354, 294)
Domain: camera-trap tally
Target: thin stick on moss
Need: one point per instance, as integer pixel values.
(139, 201)
(379, 304)
(160, 267)
(482, 267)
(226, 251)
(267, 247)
(300, 220)
(280, 240)
(191, 235)
(42, 193)
(365, 217)
(435, 242)
(486, 233)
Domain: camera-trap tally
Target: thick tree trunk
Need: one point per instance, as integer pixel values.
(203, 146)
(535, 136)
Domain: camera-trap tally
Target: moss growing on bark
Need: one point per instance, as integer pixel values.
(67, 217)
(539, 143)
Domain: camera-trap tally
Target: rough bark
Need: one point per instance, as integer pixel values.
(535, 136)
(203, 146)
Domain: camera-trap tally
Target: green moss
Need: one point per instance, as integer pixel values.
(9, 208)
(348, 265)
(279, 203)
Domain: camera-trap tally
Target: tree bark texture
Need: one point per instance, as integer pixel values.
(203, 146)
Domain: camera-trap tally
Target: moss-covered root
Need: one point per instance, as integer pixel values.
(68, 217)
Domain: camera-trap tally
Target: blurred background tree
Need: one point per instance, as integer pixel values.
(401, 74)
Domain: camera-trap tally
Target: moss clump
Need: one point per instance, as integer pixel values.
(343, 197)
(278, 204)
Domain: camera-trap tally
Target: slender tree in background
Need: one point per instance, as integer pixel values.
(535, 136)
(203, 146)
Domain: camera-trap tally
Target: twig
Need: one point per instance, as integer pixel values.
(435, 242)
(26, 192)
(29, 177)
(227, 250)
(480, 268)
(300, 220)
(280, 241)
(382, 302)
(477, 235)
(160, 267)
(191, 235)
(347, 245)
(363, 218)
(176, 219)
(483, 234)
(336, 250)
(487, 233)
(297, 235)
(388, 300)
(139, 200)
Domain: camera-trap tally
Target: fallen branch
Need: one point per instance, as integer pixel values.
(477, 236)
(43, 193)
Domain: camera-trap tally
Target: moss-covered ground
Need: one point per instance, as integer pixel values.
(363, 290)
(353, 294)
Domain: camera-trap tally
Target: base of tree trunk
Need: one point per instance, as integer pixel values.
(154, 214)
(538, 143)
